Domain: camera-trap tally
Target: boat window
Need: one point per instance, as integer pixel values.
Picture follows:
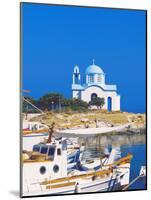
(44, 149)
(59, 151)
(51, 151)
(56, 168)
(43, 170)
(64, 145)
(36, 148)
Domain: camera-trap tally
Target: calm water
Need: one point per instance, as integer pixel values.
(134, 144)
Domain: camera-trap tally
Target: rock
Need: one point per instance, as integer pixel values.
(84, 120)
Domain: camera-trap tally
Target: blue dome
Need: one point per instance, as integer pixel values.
(94, 69)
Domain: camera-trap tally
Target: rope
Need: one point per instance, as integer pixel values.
(133, 181)
(33, 105)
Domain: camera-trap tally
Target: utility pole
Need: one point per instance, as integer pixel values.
(52, 106)
(59, 103)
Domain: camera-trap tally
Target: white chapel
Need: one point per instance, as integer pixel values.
(93, 85)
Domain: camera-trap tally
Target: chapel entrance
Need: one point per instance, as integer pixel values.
(93, 96)
(109, 104)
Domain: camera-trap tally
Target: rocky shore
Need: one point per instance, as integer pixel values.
(93, 119)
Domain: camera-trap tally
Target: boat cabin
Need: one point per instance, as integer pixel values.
(46, 161)
(47, 150)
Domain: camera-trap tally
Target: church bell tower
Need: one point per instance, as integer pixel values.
(76, 75)
(76, 83)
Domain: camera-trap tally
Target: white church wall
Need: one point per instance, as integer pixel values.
(116, 103)
(75, 94)
(104, 107)
(86, 96)
(73, 79)
(102, 78)
(95, 78)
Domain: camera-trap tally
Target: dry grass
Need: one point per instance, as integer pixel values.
(73, 119)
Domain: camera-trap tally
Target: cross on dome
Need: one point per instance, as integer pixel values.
(93, 62)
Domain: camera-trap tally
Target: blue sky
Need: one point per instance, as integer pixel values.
(56, 38)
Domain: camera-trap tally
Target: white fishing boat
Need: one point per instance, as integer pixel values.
(33, 133)
(88, 132)
(45, 171)
(141, 178)
(78, 162)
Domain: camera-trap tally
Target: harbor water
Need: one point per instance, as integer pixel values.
(127, 143)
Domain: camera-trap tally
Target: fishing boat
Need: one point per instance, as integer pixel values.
(76, 160)
(140, 178)
(88, 132)
(45, 171)
(33, 133)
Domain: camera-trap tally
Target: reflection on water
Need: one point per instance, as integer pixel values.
(134, 144)
(114, 140)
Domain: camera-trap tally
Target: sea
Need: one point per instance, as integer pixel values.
(134, 143)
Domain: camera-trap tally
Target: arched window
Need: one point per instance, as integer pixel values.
(99, 78)
(76, 69)
(76, 78)
(109, 103)
(91, 78)
(93, 96)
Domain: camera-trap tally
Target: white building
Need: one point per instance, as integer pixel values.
(93, 85)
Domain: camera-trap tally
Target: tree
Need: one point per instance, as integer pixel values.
(56, 101)
(51, 101)
(77, 104)
(66, 102)
(99, 102)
